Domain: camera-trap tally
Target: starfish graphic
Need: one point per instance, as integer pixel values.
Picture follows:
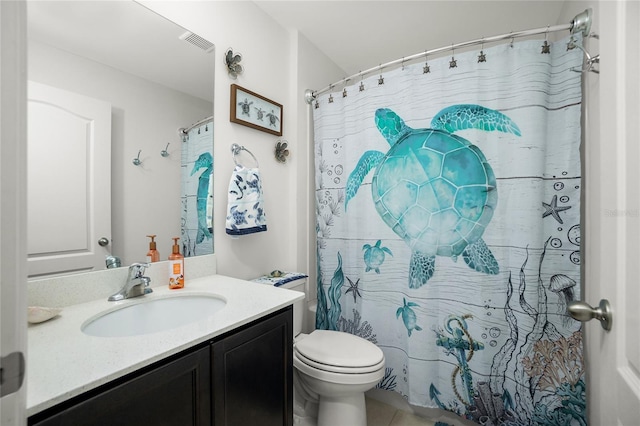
(353, 288)
(553, 209)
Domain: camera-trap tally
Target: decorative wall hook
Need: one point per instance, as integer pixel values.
(232, 61)
(137, 161)
(281, 151)
(164, 152)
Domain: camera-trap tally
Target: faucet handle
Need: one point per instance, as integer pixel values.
(137, 269)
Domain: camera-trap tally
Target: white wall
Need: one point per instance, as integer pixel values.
(145, 116)
(13, 173)
(277, 64)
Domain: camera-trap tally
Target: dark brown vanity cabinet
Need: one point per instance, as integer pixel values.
(241, 378)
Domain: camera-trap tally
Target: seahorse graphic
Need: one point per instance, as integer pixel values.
(205, 161)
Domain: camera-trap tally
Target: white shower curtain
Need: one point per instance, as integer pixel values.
(448, 222)
(197, 191)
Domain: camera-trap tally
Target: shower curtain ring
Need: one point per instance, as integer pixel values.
(482, 57)
(546, 48)
(453, 63)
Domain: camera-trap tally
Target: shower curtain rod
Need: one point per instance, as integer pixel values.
(185, 130)
(580, 23)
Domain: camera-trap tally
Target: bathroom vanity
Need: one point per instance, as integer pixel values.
(232, 368)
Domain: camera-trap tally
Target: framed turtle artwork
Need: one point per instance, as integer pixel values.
(255, 111)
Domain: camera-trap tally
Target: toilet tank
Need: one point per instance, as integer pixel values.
(299, 307)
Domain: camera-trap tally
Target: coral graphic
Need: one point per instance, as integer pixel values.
(388, 382)
(547, 367)
(354, 327)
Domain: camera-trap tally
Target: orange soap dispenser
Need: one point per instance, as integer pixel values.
(176, 266)
(153, 255)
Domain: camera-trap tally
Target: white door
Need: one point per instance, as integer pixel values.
(612, 216)
(69, 181)
(13, 313)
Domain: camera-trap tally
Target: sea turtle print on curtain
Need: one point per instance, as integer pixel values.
(448, 221)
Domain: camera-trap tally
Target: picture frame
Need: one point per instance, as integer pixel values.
(253, 110)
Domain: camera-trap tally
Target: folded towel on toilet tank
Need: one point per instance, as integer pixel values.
(280, 278)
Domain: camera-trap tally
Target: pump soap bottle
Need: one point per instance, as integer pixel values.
(176, 267)
(153, 255)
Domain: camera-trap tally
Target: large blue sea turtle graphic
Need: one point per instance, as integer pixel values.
(433, 188)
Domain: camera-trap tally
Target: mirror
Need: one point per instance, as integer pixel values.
(155, 78)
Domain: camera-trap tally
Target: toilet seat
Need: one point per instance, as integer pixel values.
(339, 352)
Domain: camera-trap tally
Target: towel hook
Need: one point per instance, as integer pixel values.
(164, 152)
(137, 161)
(235, 150)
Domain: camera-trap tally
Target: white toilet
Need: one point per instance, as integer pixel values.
(333, 370)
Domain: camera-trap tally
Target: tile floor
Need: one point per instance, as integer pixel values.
(381, 414)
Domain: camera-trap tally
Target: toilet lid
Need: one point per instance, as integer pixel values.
(335, 348)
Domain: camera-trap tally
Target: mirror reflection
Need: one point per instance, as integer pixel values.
(112, 84)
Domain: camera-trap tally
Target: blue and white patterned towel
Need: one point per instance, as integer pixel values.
(245, 213)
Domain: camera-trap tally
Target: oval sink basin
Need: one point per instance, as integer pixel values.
(153, 315)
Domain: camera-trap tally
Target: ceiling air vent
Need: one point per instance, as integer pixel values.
(197, 41)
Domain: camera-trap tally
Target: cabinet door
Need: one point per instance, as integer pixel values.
(175, 394)
(252, 374)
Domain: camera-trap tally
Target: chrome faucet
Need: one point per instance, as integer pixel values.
(136, 285)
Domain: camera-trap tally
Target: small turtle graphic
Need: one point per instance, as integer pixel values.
(374, 256)
(245, 107)
(434, 189)
(260, 112)
(273, 118)
(408, 316)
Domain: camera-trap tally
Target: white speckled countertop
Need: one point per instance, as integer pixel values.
(63, 362)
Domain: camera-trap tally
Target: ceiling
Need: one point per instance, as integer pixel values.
(127, 36)
(356, 34)
(362, 34)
